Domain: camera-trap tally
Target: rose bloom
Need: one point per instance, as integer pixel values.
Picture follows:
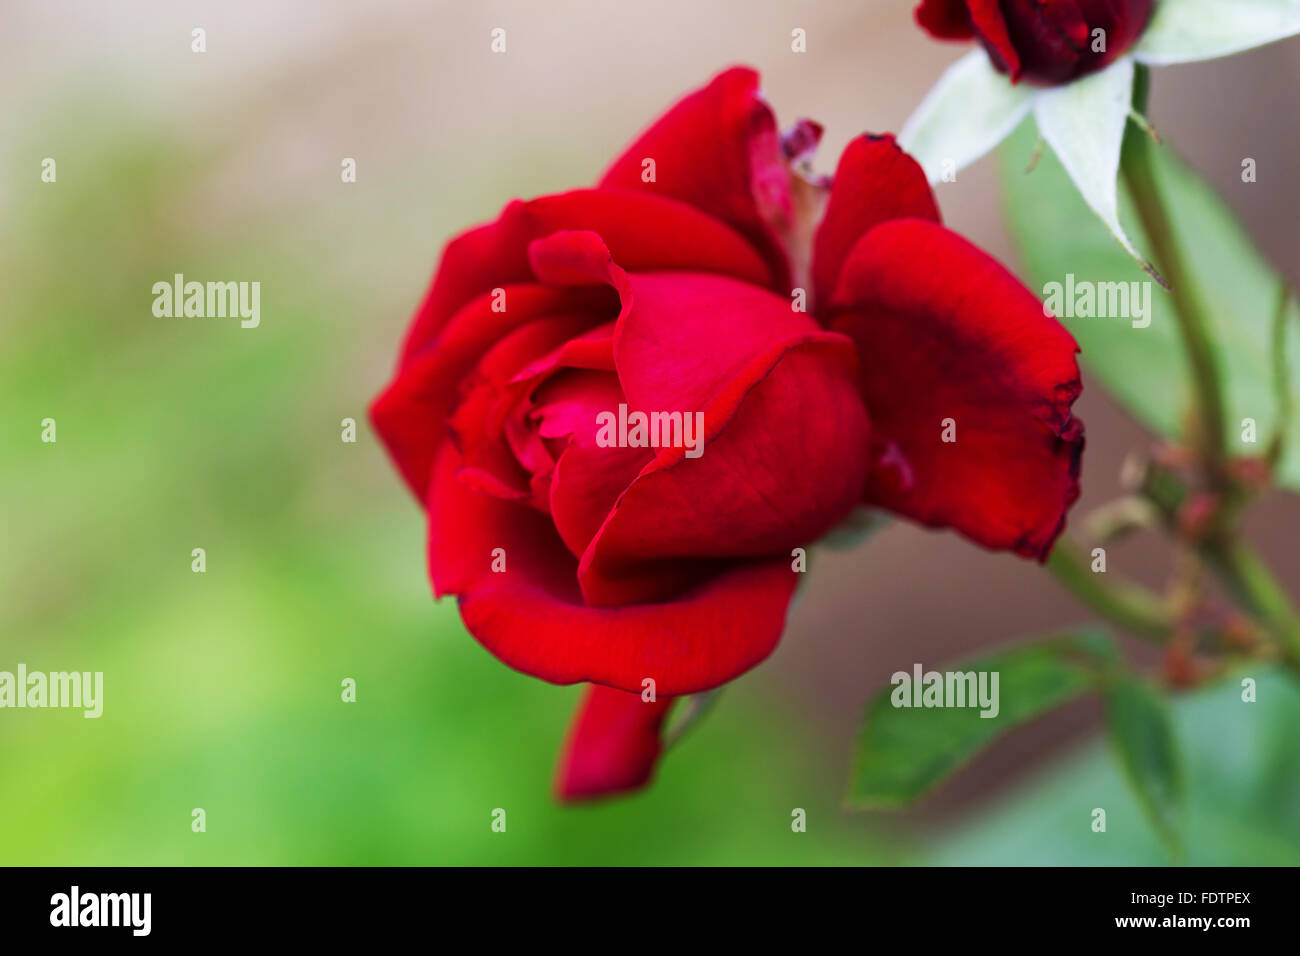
(1044, 41)
(828, 334)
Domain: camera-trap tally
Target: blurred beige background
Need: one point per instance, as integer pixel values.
(444, 133)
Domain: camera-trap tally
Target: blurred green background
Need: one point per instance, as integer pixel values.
(222, 689)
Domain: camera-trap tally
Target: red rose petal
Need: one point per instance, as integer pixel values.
(411, 413)
(684, 337)
(875, 182)
(533, 618)
(944, 19)
(718, 149)
(479, 424)
(588, 479)
(643, 231)
(1052, 39)
(613, 744)
(784, 435)
(991, 27)
(944, 331)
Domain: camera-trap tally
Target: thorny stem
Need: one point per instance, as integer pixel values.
(1240, 569)
(1142, 612)
(1246, 575)
(1118, 599)
(1137, 167)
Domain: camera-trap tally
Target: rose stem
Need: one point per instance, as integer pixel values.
(1137, 167)
(1242, 571)
(1123, 602)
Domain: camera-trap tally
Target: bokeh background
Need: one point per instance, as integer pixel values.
(222, 689)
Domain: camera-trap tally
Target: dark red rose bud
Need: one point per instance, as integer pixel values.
(1044, 41)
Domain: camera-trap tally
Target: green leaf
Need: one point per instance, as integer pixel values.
(903, 752)
(1242, 808)
(1145, 368)
(1142, 735)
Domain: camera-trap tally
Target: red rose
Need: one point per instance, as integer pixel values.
(1045, 41)
(677, 292)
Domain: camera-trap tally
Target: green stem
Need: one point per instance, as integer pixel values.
(1138, 169)
(1245, 574)
(1239, 568)
(1281, 379)
(1119, 600)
